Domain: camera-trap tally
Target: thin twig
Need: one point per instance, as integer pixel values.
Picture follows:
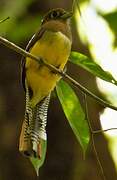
(103, 130)
(4, 19)
(56, 70)
(97, 157)
(73, 5)
(92, 136)
(78, 7)
(86, 113)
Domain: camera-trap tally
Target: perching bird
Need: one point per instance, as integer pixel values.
(53, 44)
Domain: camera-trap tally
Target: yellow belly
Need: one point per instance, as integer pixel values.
(54, 47)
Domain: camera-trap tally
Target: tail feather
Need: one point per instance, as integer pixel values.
(34, 128)
(25, 146)
(38, 124)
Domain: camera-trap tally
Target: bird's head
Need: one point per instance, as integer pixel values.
(58, 14)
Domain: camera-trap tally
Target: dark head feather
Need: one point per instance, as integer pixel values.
(56, 14)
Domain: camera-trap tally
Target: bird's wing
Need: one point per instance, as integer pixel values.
(32, 41)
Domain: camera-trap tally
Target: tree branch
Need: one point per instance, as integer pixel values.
(53, 68)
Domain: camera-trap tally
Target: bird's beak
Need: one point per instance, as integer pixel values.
(67, 15)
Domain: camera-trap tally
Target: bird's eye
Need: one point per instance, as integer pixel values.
(54, 14)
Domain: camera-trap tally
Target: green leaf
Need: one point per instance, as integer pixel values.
(37, 163)
(74, 113)
(86, 63)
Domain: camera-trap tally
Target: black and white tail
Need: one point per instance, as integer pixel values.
(34, 127)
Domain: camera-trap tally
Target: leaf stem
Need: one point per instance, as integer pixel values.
(19, 50)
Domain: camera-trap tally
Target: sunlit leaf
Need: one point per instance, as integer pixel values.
(111, 19)
(74, 113)
(37, 163)
(86, 63)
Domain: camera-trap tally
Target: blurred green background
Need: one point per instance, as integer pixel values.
(64, 159)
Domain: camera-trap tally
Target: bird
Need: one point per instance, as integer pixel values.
(52, 42)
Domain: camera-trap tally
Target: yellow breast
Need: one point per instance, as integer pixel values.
(54, 47)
